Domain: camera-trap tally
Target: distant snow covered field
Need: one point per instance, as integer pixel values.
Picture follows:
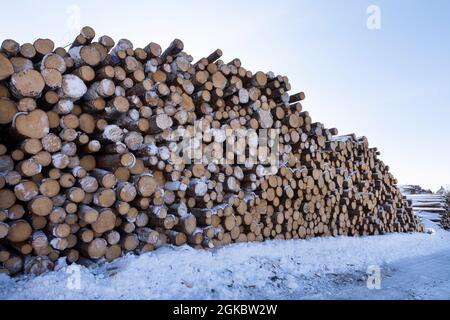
(412, 266)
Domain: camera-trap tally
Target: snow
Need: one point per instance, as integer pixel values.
(412, 266)
(73, 87)
(75, 53)
(106, 85)
(60, 160)
(113, 133)
(123, 44)
(64, 106)
(89, 184)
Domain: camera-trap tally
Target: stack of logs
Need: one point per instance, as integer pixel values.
(86, 172)
(445, 217)
(425, 201)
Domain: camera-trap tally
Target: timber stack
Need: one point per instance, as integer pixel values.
(87, 168)
(445, 218)
(427, 202)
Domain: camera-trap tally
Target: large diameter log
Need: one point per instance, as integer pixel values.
(6, 67)
(29, 83)
(41, 206)
(32, 125)
(96, 249)
(105, 222)
(19, 230)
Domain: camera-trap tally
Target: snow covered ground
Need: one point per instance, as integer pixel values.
(412, 266)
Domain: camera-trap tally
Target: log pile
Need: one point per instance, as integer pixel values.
(414, 189)
(445, 218)
(86, 166)
(426, 202)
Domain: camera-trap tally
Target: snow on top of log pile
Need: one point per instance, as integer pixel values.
(413, 189)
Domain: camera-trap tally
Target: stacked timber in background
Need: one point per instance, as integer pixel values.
(414, 189)
(85, 166)
(427, 202)
(445, 218)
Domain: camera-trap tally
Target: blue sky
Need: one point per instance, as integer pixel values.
(391, 85)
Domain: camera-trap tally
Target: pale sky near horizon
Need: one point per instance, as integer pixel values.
(391, 85)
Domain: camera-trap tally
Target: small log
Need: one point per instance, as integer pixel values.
(96, 249)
